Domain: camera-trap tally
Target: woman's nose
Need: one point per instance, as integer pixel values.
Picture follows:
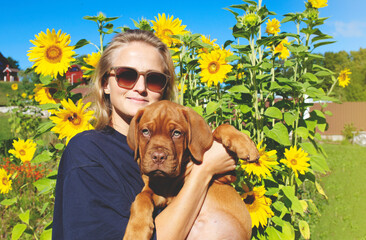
(140, 84)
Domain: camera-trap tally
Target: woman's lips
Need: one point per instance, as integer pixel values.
(138, 100)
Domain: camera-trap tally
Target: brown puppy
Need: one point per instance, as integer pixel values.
(167, 138)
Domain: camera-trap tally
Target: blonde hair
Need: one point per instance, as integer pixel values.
(103, 107)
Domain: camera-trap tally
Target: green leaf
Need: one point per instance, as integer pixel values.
(277, 220)
(44, 127)
(273, 233)
(8, 202)
(212, 107)
(44, 185)
(304, 229)
(245, 108)
(18, 231)
(45, 79)
(323, 43)
(288, 231)
(59, 146)
(319, 163)
(49, 106)
(232, 58)
(320, 189)
(309, 148)
(44, 156)
(25, 217)
(302, 132)
(239, 89)
(198, 109)
(46, 235)
(310, 76)
(273, 112)
(278, 133)
(289, 118)
(81, 43)
(289, 191)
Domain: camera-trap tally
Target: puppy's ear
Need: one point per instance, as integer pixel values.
(199, 134)
(132, 136)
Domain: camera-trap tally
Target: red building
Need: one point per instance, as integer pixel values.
(74, 74)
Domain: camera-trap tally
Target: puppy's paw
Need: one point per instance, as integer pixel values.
(237, 142)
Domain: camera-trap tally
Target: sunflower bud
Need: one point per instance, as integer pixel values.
(312, 13)
(250, 19)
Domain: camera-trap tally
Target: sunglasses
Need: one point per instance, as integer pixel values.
(127, 77)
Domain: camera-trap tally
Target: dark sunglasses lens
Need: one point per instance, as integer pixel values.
(155, 81)
(126, 77)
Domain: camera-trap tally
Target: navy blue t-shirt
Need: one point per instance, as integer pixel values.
(97, 181)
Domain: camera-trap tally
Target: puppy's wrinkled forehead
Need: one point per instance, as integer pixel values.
(162, 115)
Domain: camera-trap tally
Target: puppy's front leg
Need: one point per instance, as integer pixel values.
(141, 223)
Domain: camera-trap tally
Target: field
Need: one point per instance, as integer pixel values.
(343, 215)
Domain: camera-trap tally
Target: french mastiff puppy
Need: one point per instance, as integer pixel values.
(167, 139)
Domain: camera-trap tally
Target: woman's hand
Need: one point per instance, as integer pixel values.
(216, 160)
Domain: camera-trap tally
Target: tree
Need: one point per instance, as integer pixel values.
(13, 63)
(356, 62)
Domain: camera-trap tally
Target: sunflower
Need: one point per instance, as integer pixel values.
(72, 120)
(207, 40)
(214, 66)
(273, 27)
(24, 150)
(43, 95)
(318, 3)
(344, 77)
(280, 48)
(297, 160)
(262, 168)
(5, 182)
(24, 95)
(52, 54)
(258, 206)
(180, 87)
(14, 86)
(92, 60)
(166, 26)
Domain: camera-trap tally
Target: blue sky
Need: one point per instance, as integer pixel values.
(23, 19)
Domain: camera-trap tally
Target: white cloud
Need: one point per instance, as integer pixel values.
(349, 29)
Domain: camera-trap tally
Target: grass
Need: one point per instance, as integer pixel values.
(4, 127)
(343, 214)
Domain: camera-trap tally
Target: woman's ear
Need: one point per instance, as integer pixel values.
(106, 88)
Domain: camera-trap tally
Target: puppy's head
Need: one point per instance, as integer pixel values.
(163, 135)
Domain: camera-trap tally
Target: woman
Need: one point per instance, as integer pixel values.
(98, 178)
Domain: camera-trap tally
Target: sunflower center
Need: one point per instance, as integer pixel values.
(167, 32)
(22, 152)
(5, 180)
(213, 67)
(249, 199)
(54, 54)
(293, 161)
(75, 119)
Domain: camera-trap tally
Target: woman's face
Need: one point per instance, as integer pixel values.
(126, 102)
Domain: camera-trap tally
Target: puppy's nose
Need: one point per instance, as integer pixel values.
(158, 157)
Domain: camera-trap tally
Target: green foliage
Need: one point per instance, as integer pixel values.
(349, 131)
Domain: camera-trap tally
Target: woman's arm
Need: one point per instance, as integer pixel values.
(177, 219)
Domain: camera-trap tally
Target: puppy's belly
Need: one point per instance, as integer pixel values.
(222, 216)
(215, 225)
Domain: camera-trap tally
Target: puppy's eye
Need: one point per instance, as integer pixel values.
(176, 133)
(145, 132)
